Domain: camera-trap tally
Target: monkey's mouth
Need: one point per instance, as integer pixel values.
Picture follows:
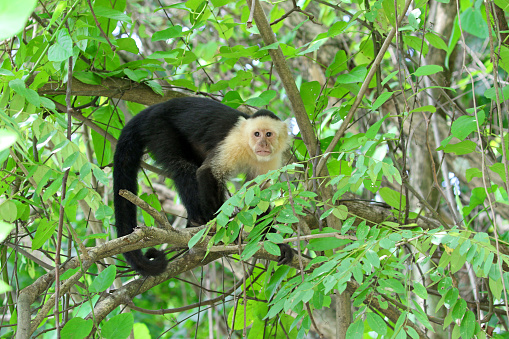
(263, 153)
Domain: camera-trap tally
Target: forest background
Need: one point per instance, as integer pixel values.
(394, 195)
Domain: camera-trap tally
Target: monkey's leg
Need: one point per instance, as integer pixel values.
(211, 190)
(180, 161)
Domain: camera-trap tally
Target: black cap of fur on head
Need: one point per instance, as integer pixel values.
(265, 113)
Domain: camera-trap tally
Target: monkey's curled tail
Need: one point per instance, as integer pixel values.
(125, 176)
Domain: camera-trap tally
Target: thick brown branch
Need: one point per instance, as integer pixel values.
(112, 88)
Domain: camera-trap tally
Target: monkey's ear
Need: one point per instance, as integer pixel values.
(288, 128)
(291, 125)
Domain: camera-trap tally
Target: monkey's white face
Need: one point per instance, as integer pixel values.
(266, 139)
(262, 142)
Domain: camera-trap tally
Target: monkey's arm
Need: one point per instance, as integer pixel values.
(211, 190)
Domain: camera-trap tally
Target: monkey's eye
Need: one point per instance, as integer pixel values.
(268, 134)
(256, 134)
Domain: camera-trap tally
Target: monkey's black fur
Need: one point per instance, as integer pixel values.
(179, 133)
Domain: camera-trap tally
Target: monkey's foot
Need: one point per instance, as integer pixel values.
(286, 254)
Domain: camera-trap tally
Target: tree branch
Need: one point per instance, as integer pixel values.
(110, 87)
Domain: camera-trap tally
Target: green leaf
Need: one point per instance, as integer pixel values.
(451, 297)
(352, 142)
(111, 13)
(373, 258)
(103, 280)
(128, 44)
(421, 316)
(275, 309)
(194, 240)
(436, 41)
(275, 281)
(463, 147)
(313, 46)
(347, 224)
(427, 108)
(246, 217)
(467, 327)
(392, 286)
(104, 211)
(156, 87)
(275, 238)
(473, 173)
(356, 330)
(358, 274)
(7, 139)
(416, 43)
(283, 229)
(237, 51)
(69, 273)
(141, 330)
(172, 54)
(324, 244)
(306, 295)
(420, 290)
(286, 216)
(4, 71)
(393, 198)
(271, 46)
(309, 91)
(340, 212)
(32, 97)
(382, 99)
(13, 16)
(339, 64)
(100, 175)
(118, 327)
(472, 22)
(5, 229)
(487, 264)
(262, 100)
(70, 160)
(88, 77)
(77, 328)
(250, 249)
(45, 230)
(376, 323)
(362, 230)
(8, 211)
(503, 92)
(499, 168)
(465, 125)
(411, 332)
(337, 28)
(458, 311)
(325, 268)
(136, 75)
(373, 129)
(504, 4)
(186, 83)
(57, 12)
(62, 48)
(169, 33)
(308, 194)
(356, 75)
(428, 70)
(74, 197)
(4, 287)
(387, 243)
(272, 248)
(457, 260)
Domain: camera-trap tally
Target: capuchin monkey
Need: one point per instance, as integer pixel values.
(200, 144)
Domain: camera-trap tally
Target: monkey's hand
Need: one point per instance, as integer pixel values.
(286, 254)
